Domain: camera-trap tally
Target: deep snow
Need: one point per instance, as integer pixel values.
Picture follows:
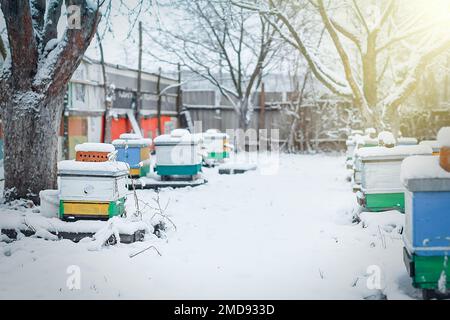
(284, 236)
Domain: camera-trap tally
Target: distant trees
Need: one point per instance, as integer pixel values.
(382, 50)
(228, 46)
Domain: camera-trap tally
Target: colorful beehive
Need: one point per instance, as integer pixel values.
(135, 151)
(361, 142)
(177, 154)
(380, 176)
(93, 152)
(216, 145)
(434, 144)
(92, 190)
(427, 228)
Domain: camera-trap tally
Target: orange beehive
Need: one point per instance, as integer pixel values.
(445, 158)
(91, 156)
(93, 152)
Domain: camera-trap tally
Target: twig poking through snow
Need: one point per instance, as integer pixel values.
(135, 254)
(138, 213)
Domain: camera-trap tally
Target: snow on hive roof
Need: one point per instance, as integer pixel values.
(178, 138)
(444, 137)
(407, 141)
(94, 147)
(179, 133)
(130, 136)
(422, 167)
(398, 152)
(132, 142)
(215, 133)
(386, 138)
(365, 140)
(107, 167)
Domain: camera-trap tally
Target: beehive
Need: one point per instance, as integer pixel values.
(135, 151)
(93, 152)
(92, 190)
(434, 144)
(177, 154)
(427, 228)
(216, 144)
(380, 176)
(361, 142)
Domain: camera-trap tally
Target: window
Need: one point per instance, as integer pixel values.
(80, 92)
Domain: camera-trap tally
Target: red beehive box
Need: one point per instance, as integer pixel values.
(93, 152)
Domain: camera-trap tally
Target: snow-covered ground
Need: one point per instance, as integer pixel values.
(287, 235)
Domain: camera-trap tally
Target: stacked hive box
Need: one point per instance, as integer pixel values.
(427, 228)
(177, 154)
(351, 143)
(361, 142)
(434, 144)
(216, 145)
(92, 189)
(380, 176)
(135, 151)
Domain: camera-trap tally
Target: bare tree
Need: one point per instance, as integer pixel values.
(34, 78)
(382, 50)
(228, 46)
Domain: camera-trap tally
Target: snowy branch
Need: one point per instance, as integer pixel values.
(22, 42)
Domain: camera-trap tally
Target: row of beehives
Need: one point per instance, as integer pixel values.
(390, 174)
(95, 184)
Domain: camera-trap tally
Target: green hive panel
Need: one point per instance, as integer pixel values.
(428, 270)
(143, 172)
(218, 155)
(116, 208)
(186, 170)
(378, 202)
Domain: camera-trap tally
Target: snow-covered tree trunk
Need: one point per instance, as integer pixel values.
(33, 82)
(30, 145)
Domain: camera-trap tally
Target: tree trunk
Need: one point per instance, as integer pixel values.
(31, 127)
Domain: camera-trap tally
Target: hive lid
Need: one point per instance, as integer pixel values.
(133, 142)
(130, 136)
(108, 168)
(94, 147)
(177, 137)
(424, 174)
(365, 140)
(395, 153)
(214, 133)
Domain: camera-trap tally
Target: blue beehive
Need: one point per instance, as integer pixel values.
(427, 228)
(135, 151)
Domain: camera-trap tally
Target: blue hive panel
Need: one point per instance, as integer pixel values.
(130, 155)
(431, 222)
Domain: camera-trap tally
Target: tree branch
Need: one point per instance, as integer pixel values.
(357, 94)
(22, 42)
(411, 80)
(38, 14)
(63, 60)
(50, 29)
